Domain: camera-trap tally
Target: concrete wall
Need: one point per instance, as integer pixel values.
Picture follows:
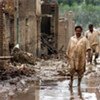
(70, 26)
(6, 28)
(26, 25)
(62, 34)
(1, 30)
(66, 30)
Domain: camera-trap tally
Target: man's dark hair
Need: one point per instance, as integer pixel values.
(79, 27)
(90, 25)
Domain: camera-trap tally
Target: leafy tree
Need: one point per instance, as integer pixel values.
(71, 2)
(84, 14)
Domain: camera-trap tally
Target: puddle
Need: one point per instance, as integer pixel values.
(52, 86)
(60, 91)
(52, 90)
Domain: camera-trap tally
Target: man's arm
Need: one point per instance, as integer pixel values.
(86, 34)
(88, 50)
(68, 49)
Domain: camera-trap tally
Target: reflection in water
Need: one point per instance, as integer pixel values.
(79, 93)
(59, 90)
(50, 90)
(30, 91)
(31, 94)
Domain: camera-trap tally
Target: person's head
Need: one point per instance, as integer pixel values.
(78, 30)
(91, 27)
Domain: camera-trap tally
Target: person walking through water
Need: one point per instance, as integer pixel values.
(76, 55)
(92, 36)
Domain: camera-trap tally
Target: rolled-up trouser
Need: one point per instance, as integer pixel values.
(95, 51)
(79, 70)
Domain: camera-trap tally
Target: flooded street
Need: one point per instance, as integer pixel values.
(48, 48)
(50, 84)
(60, 90)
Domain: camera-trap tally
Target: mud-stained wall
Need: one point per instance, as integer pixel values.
(8, 19)
(62, 34)
(21, 24)
(1, 29)
(6, 26)
(26, 25)
(66, 30)
(6, 30)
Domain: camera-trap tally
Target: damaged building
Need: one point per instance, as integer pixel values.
(65, 30)
(6, 26)
(27, 15)
(6, 30)
(38, 26)
(34, 25)
(49, 27)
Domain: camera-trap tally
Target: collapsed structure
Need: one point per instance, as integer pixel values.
(34, 25)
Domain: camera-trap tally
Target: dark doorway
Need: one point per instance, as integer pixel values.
(45, 25)
(47, 36)
(49, 27)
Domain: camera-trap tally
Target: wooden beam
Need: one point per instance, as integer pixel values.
(5, 57)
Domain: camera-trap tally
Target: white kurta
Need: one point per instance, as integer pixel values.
(93, 39)
(76, 53)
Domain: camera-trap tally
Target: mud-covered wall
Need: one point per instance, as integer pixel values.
(26, 25)
(62, 34)
(6, 30)
(6, 26)
(1, 29)
(66, 30)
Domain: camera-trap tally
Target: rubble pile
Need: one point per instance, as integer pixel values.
(23, 63)
(12, 71)
(52, 69)
(22, 57)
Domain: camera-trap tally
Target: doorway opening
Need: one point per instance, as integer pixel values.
(48, 38)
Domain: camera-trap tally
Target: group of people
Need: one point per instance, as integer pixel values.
(79, 46)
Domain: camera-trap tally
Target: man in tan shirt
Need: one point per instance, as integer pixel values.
(93, 36)
(76, 54)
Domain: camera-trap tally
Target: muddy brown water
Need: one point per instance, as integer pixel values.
(55, 89)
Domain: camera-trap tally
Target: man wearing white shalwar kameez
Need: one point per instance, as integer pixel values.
(93, 36)
(76, 54)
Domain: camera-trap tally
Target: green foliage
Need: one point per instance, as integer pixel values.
(84, 14)
(71, 2)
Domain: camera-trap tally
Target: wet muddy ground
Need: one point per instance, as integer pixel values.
(59, 89)
(51, 83)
